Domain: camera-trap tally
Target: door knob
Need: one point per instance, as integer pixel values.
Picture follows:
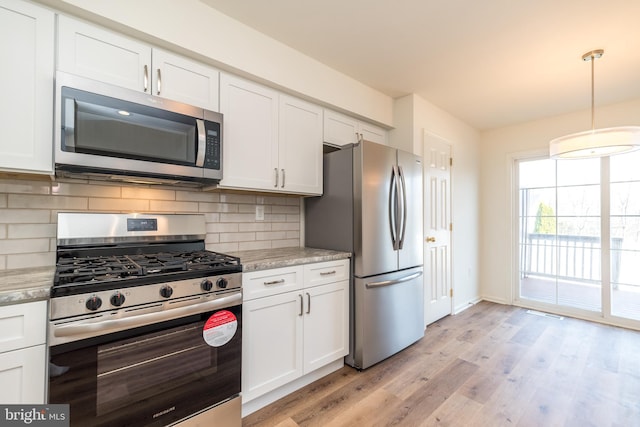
(430, 239)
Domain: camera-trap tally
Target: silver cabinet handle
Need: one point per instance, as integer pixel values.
(394, 282)
(146, 78)
(282, 186)
(274, 282)
(276, 173)
(308, 302)
(159, 82)
(327, 273)
(301, 305)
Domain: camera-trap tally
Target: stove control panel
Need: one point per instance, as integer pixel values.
(114, 299)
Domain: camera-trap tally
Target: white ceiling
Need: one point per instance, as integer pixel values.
(490, 63)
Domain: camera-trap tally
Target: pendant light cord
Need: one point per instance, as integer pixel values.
(593, 107)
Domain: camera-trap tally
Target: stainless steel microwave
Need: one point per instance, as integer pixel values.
(109, 132)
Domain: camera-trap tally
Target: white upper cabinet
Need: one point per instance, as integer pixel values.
(97, 53)
(272, 142)
(26, 106)
(340, 130)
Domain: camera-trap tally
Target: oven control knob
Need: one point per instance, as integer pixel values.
(222, 283)
(166, 291)
(206, 285)
(93, 303)
(117, 299)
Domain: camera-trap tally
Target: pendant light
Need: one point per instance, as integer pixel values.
(595, 142)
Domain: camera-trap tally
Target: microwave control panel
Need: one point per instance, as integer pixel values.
(212, 150)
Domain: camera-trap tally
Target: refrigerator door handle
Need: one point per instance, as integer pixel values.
(403, 224)
(393, 282)
(393, 207)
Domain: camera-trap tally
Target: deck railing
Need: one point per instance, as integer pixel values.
(566, 257)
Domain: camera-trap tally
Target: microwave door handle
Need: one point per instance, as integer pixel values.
(202, 142)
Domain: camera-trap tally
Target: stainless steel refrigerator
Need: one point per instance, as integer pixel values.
(372, 207)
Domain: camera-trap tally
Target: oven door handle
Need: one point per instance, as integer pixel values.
(114, 325)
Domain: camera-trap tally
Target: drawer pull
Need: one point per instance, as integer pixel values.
(274, 282)
(327, 273)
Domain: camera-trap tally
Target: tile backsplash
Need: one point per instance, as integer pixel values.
(29, 208)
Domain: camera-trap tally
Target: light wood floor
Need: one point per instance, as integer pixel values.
(491, 365)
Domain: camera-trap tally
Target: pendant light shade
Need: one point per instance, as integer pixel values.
(595, 142)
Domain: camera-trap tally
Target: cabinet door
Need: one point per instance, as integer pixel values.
(99, 54)
(250, 134)
(26, 106)
(271, 343)
(340, 129)
(373, 133)
(22, 325)
(326, 324)
(22, 375)
(181, 79)
(300, 146)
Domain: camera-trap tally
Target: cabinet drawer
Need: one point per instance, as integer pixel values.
(326, 272)
(22, 325)
(258, 284)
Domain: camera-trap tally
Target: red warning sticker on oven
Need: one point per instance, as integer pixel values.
(220, 328)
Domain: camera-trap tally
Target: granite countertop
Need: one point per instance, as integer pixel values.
(264, 259)
(25, 284)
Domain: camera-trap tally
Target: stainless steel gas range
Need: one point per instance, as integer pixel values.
(145, 324)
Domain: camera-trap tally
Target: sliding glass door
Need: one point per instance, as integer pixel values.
(579, 235)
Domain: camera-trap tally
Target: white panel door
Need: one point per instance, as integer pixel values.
(250, 134)
(300, 146)
(26, 84)
(271, 343)
(326, 324)
(181, 79)
(437, 223)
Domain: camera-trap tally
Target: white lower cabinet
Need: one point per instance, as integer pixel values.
(290, 333)
(23, 353)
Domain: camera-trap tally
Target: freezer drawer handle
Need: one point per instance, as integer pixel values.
(327, 273)
(274, 282)
(393, 282)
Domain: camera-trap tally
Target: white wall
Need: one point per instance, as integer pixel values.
(192, 27)
(497, 148)
(414, 115)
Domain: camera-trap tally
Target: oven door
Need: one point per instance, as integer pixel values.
(152, 375)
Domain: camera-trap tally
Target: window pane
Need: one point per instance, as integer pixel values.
(583, 200)
(578, 172)
(625, 167)
(537, 173)
(625, 198)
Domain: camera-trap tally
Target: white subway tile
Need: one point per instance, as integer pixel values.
(198, 196)
(87, 190)
(295, 201)
(275, 200)
(3, 231)
(237, 217)
(223, 247)
(147, 193)
(238, 198)
(29, 231)
(167, 206)
(217, 207)
(25, 186)
(222, 227)
(43, 259)
(21, 246)
(212, 238)
(247, 246)
(28, 201)
(118, 205)
(237, 237)
(293, 235)
(295, 210)
(247, 209)
(289, 243)
(285, 226)
(271, 235)
(275, 217)
(3, 200)
(3, 262)
(255, 226)
(23, 216)
(293, 218)
(212, 217)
